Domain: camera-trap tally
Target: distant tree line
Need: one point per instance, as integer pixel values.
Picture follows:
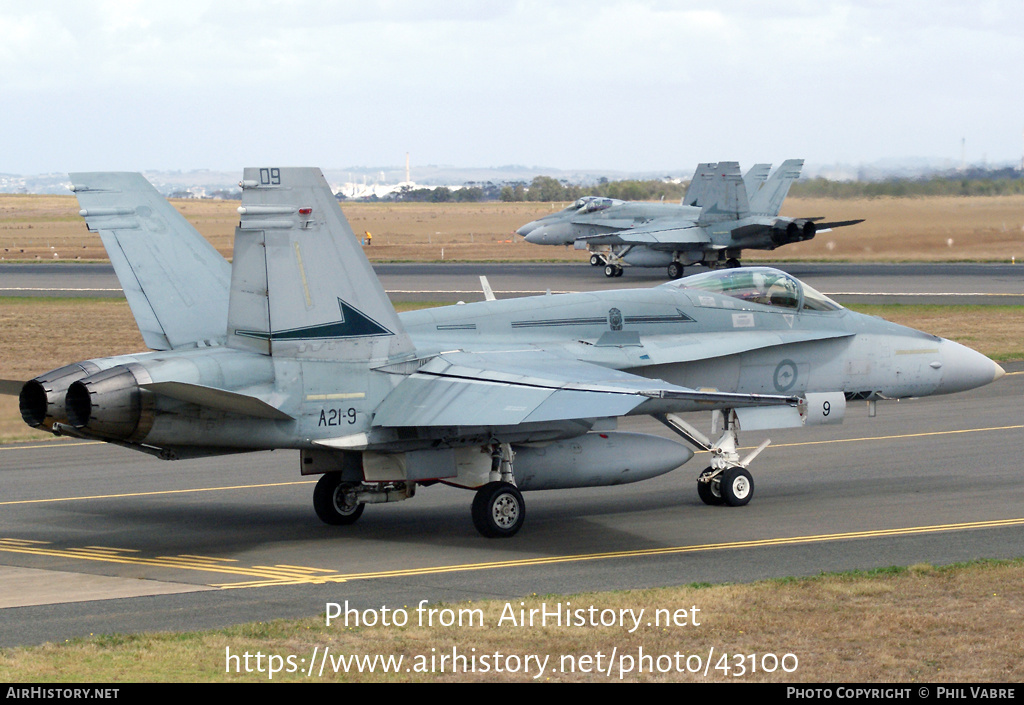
(542, 189)
(471, 192)
(546, 189)
(935, 186)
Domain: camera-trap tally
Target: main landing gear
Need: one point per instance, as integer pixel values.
(498, 510)
(726, 480)
(613, 270)
(498, 507)
(335, 502)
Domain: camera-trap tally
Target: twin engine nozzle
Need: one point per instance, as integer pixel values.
(104, 403)
(787, 231)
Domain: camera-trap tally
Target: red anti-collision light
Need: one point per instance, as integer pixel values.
(305, 211)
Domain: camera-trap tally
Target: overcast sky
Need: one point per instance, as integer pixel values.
(595, 84)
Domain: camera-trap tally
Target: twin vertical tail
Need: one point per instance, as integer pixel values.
(768, 199)
(176, 283)
(724, 194)
(300, 284)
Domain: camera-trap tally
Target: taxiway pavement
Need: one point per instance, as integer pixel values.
(98, 539)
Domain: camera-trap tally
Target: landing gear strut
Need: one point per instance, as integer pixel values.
(727, 480)
(498, 508)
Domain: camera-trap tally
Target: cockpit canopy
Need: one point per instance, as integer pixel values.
(761, 285)
(591, 204)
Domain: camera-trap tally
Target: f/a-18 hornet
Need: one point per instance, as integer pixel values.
(722, 214)
(295, 345)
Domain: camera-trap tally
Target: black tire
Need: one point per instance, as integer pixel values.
(610, 270)
(596, 260)
(710, 493)
(618, 271)
(733, 263)
(737, 487)
(675, 270)
(498, 510)
(329, 502)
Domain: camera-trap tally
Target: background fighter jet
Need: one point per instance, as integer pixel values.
(295, 345)
(721, 214)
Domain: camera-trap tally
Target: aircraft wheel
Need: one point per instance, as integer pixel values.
(329, 502)
(498, 510)
(737, 487)
(710, 492)
(596, 261)
(675, 270)
(610, 270)
(732, 263)
(618, 271)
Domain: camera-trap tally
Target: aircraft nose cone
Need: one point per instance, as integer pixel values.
(537, 236)
(528, 228)
(963, 368)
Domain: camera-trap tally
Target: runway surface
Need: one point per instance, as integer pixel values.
(860, 283)
(97, 539)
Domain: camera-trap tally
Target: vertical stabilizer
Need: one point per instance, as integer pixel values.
(724, 194)
(698, 185)
(300, 283)
(754, 179)
(175, 282)
(768, 199)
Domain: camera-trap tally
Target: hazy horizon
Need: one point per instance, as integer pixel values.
(614, 85)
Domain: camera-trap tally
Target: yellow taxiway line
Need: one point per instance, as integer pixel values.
(264, 576)
(281, 574)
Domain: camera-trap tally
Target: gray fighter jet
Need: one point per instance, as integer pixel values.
(295, 345)
(722, 214)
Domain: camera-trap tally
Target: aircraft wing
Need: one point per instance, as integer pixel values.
(176, 283)
(515, 387)
(656, 235)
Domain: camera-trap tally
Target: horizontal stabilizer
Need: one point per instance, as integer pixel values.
(220, 399)
(11, 387)
(821, 227)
